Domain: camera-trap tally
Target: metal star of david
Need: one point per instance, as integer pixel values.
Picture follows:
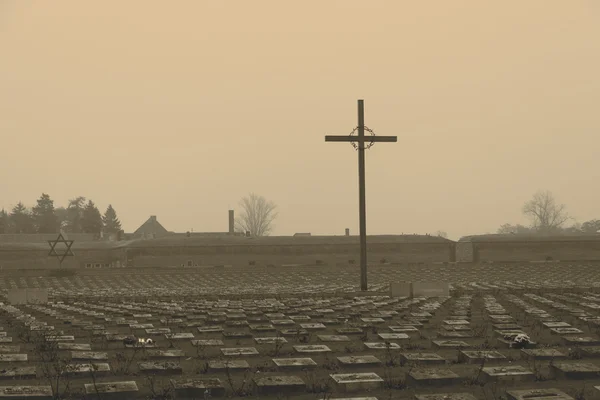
(61, 256)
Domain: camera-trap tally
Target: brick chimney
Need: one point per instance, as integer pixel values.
(347, 231)
(231, 222)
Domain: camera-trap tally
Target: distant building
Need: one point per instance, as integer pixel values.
(302, 234)
(151, 229)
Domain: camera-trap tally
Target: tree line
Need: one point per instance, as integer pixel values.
(549, 217)
(78, 217)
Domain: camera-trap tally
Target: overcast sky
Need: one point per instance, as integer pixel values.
(180, 108)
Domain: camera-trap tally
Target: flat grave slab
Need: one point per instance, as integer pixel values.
(507, 373)
(359, 361)
(349, 331)
(538, 394)
(197, 388)
(89, 355)
(543, 354)
(359, 381)
(262, 327)
(223, 365)
(13, 357)
(566, 331)
(575, 370)
(580, 341)
(393, 336)
(432, 377)
(26, 392)
(100, 369)
(279, 384)
(18, 372)
(9, 349)
(179, 336)
(292, 363)
(169, 353)
(237, 335)
(315, 348)
(333, 338)
(423, 358)
(239, 351)
(382, 346)
(160, 367)
(556, 324)
(446, 396)
(210, 329)
(450, 344)
(270, 340)
(207, 342)
(112, 390)
(479, 356)
(313, 326)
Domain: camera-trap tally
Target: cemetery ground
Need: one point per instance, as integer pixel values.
(303, 333)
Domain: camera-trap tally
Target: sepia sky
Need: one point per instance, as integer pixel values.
(178, 109)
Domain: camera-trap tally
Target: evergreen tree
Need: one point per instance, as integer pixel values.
(92, 219)
(74, 217)
(20, 220)
(43, 215)
(3, 222)
(110, 220)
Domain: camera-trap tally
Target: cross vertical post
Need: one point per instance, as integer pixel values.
(362, 206)
(359, 143)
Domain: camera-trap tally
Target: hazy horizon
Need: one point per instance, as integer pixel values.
(179, 110)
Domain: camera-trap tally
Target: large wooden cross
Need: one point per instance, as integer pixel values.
(360, 141)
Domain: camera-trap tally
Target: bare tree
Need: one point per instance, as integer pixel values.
(546, 214)
(442, 234)
(257, 215)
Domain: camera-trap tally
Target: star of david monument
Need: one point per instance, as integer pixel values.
(361, 143)
(60, 248)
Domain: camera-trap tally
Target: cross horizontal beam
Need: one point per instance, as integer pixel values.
(357, 139)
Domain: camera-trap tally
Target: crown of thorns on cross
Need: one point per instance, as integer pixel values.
(61, 256)
(367, 147)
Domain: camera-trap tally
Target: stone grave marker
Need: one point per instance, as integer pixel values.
(333, 338)
(293, 363)
(430, 289)
(26, 392)
(580, 341)
(112, 390)
(359, 361)
(450, 344)
(432, 377)
(543, 354)
(160, 367)
(423, 358)
(270, 340)
(479, 356)
(9, 349)
(508, 373)
(179, 336)
(89, 356)
(210, 329)
(270, 385)
(538, 394)
(13, 357)
(100, 369)
(393, 336)
(207, 342)
(575, 370)
(198, 388)
(168, 353)
(362, 381)
(446, 396)
(223, 365)
(314, 348)
(382, 346)
(239, 351)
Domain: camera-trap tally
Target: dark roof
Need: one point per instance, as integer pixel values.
(151, 226)
(284, 240)
(529, 238)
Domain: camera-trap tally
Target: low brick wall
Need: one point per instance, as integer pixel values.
(535, 251)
